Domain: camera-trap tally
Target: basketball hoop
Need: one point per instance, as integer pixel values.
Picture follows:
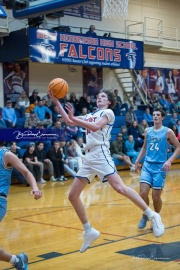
(115, 9)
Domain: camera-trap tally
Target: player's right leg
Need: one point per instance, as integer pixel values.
(90, 234)
(74, 196)
(144, 192)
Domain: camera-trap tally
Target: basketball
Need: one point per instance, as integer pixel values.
(58, 87)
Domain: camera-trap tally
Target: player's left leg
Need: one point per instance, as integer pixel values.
(159, 179)
(116, 182)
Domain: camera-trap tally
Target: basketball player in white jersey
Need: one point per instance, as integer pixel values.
(98, 161)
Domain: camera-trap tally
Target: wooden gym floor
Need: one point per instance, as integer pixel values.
(51, 234)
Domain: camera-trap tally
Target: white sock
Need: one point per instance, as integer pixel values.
(87, 226)
(149, 213)
(14, 259)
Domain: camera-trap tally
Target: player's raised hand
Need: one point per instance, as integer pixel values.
(70, 110)
(51, 96)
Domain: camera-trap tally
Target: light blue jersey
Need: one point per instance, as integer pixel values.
(157, 145)
(156, 155)
(5, 174)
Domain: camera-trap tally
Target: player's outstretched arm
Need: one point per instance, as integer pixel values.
(94, 126)
(11, 160)
(60, 109)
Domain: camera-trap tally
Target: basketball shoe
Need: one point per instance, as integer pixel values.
(142, 222)
(22, 264)
(157, 225)
(89, 238)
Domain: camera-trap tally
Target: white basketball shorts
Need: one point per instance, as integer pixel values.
(97, 161)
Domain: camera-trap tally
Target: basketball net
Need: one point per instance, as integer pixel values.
(115, 9)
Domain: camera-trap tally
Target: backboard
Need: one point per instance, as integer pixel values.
(41, 7)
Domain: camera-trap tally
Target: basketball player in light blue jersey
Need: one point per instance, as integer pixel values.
(7, 161)
(98, 161)
(156, 162)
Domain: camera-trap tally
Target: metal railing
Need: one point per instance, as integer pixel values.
(150, 31)
(153, 31)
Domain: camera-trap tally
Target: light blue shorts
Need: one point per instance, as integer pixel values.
(3, 207)
(153, 175)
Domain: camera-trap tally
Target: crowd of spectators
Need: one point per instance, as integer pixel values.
(66, 154)
(131, 137)
(48, 157)
(60, 158)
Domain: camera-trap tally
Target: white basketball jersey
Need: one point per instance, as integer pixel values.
(102, 136)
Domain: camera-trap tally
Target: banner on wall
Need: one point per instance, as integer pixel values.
(16, 80)
(90, 11)
(49, 46)
(92, 80)
(22, 134)
(159, 80)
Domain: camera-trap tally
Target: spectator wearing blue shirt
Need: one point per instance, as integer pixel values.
(41, 111)
(129, 147)
(55, 113)
(173, 120)
(148, 117)
(134, 131)
(91, 32)
(164, 103)
(2, 122)
(9, 115)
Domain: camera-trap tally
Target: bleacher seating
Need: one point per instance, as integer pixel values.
(21, 122)
(119, 121)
